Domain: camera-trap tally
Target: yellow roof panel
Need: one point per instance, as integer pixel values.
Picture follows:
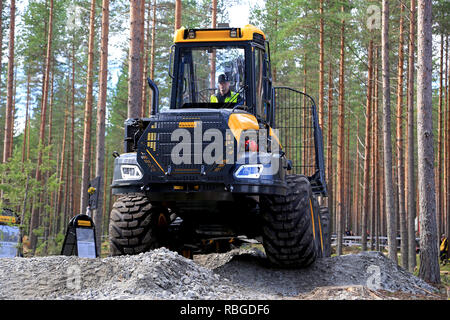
(212, 35)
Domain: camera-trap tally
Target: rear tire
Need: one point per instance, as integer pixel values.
(287, 227)
(136, 226)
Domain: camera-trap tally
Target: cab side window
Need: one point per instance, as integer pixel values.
(259, 83)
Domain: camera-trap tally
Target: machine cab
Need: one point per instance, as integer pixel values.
(206, 56)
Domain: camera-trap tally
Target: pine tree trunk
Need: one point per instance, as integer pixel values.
(68, 205)
(106, 180)
(447, 162)
(348, 181)
(9, 118)
(388, 181)
(26, 133)
(446, 143)
(142, 55)
(1, 71)
(86, 162)
(146, 55)
(59, 193)
(13, 112)
(212, 78)
(446, 120)
(373, 169)
(35, 212)
(321, 68)
(49, 196)
(50, 127)
(355, 207)
(101, 109)
(400, 161)
(1, 50)
(152, 53)
(411, 204)
(134, 69)
(330, 145)
(61, 170)
(345, 186)
(178, 9)
(340, 151)
(439, 146)
(375, 152)
(367, 143)
(429, 252)
(71, 207)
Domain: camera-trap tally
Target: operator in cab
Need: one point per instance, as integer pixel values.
(225, 95)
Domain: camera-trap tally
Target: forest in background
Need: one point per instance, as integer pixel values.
(50, 81)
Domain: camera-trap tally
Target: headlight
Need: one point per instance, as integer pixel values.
(130, 172)
(249, 171)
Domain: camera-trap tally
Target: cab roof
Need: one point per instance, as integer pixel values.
(247, 33)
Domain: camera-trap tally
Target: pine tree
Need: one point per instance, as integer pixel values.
(388, 181)
(429, 253)
(367, 150)
(101, 110)
(411, 187)
(321, 68)
(135, 71)
(178, 8)
(340, 151)
(9, 121)
(400, 166)
(152, 52)
(35, 212)
(86, 161)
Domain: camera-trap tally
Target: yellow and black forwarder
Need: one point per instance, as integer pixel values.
(200, 173)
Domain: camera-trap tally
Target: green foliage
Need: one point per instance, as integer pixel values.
(19, 185)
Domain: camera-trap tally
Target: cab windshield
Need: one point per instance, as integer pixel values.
(199, 74)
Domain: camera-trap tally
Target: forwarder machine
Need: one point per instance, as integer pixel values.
(200, 175)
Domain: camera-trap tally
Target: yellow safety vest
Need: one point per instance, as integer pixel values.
(230, 98)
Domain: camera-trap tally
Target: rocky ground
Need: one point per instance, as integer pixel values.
(239, 274)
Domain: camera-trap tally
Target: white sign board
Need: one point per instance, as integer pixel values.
(86, 243)
(9, 241)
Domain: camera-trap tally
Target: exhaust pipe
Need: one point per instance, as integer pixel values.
(155, 100)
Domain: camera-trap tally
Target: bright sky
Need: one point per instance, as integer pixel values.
(240, 14)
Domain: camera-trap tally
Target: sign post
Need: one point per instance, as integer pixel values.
(80, 237)
(10, 234)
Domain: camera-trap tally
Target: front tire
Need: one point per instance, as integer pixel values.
(136, 226)
(287, 225)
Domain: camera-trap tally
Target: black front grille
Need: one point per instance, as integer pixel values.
(156, 146)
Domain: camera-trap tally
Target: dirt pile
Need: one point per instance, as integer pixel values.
(240, 274)
(369, 269)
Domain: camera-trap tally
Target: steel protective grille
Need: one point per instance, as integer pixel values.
(294, 118)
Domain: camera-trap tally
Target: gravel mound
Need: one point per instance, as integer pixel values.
(158, 274)
(162, 274)
(370, 269)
